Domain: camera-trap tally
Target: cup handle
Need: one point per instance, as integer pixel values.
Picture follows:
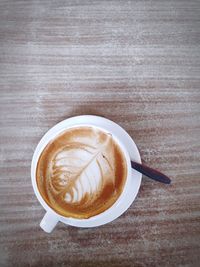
(48, 222)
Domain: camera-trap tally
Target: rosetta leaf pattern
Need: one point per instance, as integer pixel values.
(79, 170)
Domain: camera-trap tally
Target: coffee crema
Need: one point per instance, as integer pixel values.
(81, 172)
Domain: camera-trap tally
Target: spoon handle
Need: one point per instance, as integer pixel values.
(151, 173)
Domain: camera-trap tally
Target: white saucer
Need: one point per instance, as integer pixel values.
(130, 146)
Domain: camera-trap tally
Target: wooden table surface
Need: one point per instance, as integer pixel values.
(134, 62)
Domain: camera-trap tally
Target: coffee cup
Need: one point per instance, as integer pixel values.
(132, 179)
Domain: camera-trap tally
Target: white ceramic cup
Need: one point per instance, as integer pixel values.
(131, 186)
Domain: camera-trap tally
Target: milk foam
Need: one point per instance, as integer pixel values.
(81, 169)
(81, 172)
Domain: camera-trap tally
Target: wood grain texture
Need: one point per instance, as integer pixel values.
(135, 62)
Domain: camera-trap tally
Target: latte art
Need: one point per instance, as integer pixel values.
(81, 172)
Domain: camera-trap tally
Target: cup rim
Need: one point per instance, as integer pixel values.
(51, 134)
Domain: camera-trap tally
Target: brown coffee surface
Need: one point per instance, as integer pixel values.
(81, 172)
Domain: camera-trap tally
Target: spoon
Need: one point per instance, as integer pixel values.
(151, 173)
